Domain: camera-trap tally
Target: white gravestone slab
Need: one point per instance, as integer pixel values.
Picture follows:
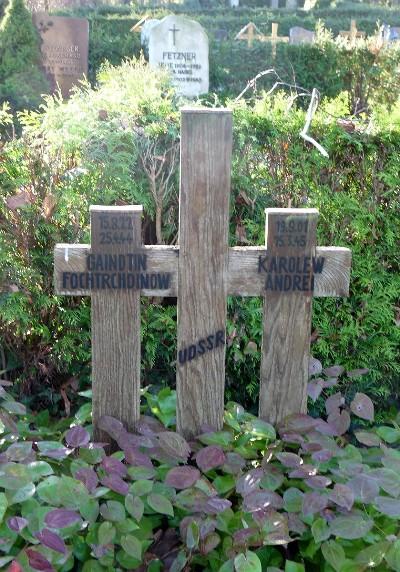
(180, 46)
(300, 35)
(234, 3)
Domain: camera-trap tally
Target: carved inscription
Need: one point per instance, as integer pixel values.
(286, 269)
(202, 346)
(116, 271)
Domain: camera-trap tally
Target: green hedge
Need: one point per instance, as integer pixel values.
(88, 151)
(232, 64)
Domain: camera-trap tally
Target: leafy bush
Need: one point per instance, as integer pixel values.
(241, 499)
(21, 80)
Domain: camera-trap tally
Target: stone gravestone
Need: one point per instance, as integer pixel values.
(180, 46)
(64, 49)
(291, 4)
(221, 35)
(234, 3)
(299, 35)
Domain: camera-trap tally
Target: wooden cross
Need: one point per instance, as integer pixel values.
(274, 39)
(353, 33)
(139, 25)
(250, 32)
(115, 269)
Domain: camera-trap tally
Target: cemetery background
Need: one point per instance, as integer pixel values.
(90, 151)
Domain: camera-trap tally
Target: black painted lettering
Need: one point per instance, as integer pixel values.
(153, 281)
(142, 261)
(89, 280)
(191, 352)
(74, 280)
(292, 264)
(114, 285)
(306, 283)
(98, 279)
(105, 281)
(296, 283)
(219, 338)
(163, 281)
(65, 278)
(261, 263)
(130, 282)
(306, 264)
(201, 347)
(90, 263)
(273, 265)
(121, 263)
(278, 283)
(268, 283)
(144, 281)
(282, 264)
(182, 356)
(318, 264)
(287, 284)
(210, 342)
(82, 280)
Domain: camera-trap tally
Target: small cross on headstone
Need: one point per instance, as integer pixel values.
(274, 39)
(174, 29)
(352, 34)
(201, 272)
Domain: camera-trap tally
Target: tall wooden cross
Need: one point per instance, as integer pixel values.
(274, 39)
(352, 34)
(116, 269)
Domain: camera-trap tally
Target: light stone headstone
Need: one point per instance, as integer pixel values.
(64, 50)
(274, 4)
(394, 35)
(180, 46)
(299, 35)
(234, 3)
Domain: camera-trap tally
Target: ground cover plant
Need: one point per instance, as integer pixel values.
(306, 496)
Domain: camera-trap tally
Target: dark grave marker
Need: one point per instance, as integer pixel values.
(64, 49)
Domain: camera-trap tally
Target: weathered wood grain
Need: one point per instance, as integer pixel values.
(206, 145)
(287, 319)
(243, 276)
(115, 331)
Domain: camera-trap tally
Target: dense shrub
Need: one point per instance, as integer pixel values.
(21, 80)
(244, 499)
(90, 149)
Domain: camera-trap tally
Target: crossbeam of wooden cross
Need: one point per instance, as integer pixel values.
(139, 24)
(116, 268)
(274, 39)
(352, 34)
(250, 32)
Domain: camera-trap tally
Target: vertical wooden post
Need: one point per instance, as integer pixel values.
(206, 145)
(289, 265)
(115, 320)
